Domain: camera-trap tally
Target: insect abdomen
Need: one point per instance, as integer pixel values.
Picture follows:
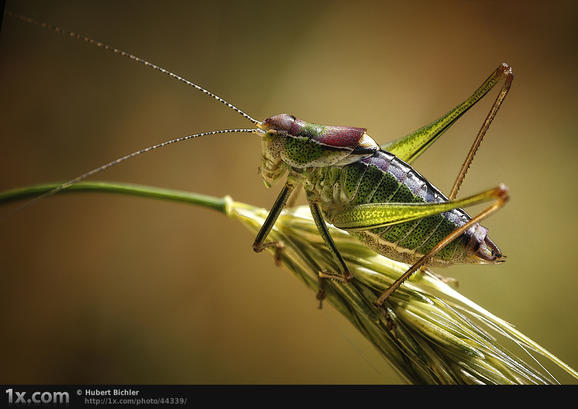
(383, 178)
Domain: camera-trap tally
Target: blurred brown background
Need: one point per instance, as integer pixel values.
(105, 289)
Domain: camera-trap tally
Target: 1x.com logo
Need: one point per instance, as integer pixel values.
(20, 398)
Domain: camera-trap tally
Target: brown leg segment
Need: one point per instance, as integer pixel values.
(503, 71)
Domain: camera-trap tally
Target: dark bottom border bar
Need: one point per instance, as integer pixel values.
(195, 395)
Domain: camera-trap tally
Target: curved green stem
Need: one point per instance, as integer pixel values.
(28, 192)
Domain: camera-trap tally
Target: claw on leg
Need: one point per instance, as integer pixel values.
(278, 246)
(323, 276)
(345, 277)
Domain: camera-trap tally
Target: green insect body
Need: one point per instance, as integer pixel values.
(338, 178)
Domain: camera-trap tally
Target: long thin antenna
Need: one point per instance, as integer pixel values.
(122, 159)
(139, 60)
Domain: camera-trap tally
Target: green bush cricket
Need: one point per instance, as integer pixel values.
(357, 186)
